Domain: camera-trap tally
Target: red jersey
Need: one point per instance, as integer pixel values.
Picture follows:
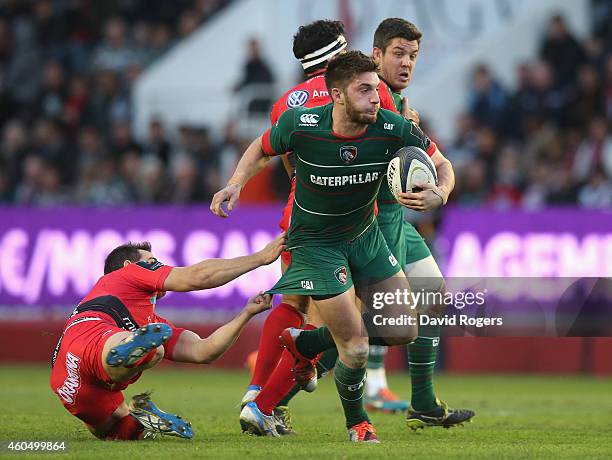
(136, 286)
(313, 93)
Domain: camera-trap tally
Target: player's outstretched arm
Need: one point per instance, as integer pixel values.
(216, 272)
(190, 348)
(253, 161)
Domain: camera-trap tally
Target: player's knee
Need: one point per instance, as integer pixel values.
(355, 352)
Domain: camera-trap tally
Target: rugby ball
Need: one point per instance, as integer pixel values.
(409, 166)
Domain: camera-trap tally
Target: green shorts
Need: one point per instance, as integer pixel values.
(332, 270)
(416, 248)
(404, 241)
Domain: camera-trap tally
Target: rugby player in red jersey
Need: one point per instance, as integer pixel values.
(114, 334)
(313, 45)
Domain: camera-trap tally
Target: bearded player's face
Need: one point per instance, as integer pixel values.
(361, 98)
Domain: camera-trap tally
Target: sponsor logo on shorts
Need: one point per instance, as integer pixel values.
(68, 391)
(341, 275)
(307, 285)
(392, 260)
(348, 153)
(297, 98)
(309, 119)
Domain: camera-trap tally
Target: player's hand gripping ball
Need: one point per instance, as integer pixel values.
(408, 167)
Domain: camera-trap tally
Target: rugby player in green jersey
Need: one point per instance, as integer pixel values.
(395, 50)
(342, 151)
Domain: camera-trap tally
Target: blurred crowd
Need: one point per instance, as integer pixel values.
(66, 73)
(67, 68)
(546, 142)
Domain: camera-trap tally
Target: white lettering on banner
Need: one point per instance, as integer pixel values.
(235, 245)
(68, 262)
(509, 254)
(54, 263)
(264, 277)
(501, 260)
(198, 246)
(38, 266)
(13, 261)
(104, 242)
(587, 253)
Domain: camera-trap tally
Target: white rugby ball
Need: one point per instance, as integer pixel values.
(408, 167)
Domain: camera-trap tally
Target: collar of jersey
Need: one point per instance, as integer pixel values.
(358, 136)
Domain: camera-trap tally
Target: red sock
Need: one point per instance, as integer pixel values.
(126, 429)
(280, 382)
(278, 385)
(270, 348)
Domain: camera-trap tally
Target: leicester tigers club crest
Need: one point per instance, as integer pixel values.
(297, 98)
(348, 153)
(341, 275)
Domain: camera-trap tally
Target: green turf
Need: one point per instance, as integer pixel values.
(518, 417)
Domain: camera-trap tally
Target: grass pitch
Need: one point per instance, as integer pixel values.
(517, 417)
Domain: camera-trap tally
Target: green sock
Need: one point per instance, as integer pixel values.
(311, 343)
(422, 361)
(376, 358)
(350, 384)
(289, 396)
(327, 361)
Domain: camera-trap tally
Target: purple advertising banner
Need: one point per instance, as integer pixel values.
(52, 257)
(548, 243)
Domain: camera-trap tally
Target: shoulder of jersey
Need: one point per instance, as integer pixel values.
(307, 117)
(390, 122)
(312, 92)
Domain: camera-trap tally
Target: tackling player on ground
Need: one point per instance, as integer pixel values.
(337, 250)
(114, 334)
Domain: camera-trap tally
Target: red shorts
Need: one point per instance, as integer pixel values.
(78, 377)
(286, 220)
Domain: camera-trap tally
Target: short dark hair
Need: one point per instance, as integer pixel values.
(314, 36)
(344, 67)
(392, 28)
(128, 251)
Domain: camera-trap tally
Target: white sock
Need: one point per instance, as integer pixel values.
(376, 381)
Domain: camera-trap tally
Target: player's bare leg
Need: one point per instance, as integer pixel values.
(126, 354)
(396, 307)
(343, 319)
